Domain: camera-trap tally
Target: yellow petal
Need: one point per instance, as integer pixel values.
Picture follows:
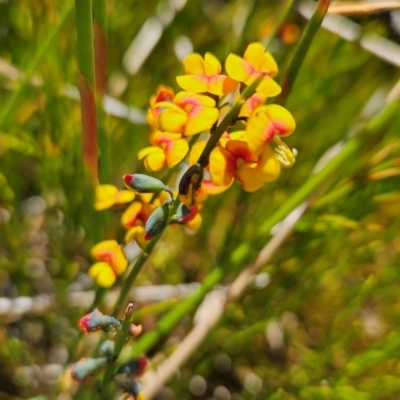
(254, 54)
(195, 223)
(194, 64)
(103, 274)
(222, 166)
(105, 196)
(172, 118)
(237, 68)
(221, 85)
(258, 131)
(268, 165)
(176, 151)
(212, 65)
(124, 196)
(130, 215)
(105, 245)
(120, 262)
(202, 121)
(268, 87)
(184, 99)
(268, 64)
(137, 233)
(196, 151)
(155, 161)
(249, 179)
(284, 123)
(193, 83)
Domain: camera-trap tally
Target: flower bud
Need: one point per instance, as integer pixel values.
(82, 369)
(107, 348)
(145, 184)
(135, 330)
(185, 214)
(157, 220)
(134, 368)
(95, 321)
(132, 387)
(190, 184)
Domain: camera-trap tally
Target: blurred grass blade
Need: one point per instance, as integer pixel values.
(363, 7)
(282, 15)
(301, 50)
(84, 25)
(43, 49)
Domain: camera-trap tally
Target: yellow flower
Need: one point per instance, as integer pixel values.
(188, 114)
(169, 148)
(112, 262)
(256, 62)
(266, 122)
(235, 160)
(204, 76)
(109, 195)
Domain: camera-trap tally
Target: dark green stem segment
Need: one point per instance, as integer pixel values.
(302, 48)
(226, 122)
(84, 27)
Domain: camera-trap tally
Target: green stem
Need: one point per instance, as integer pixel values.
(84, 27)
(301, 50)
(43, 49)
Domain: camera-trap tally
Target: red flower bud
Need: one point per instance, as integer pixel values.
(95, 321)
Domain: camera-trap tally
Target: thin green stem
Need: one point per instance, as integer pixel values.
(84, 27)
(42, 50)
(302, 48)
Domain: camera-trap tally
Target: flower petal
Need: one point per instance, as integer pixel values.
(212, 65)
(221, 85)
(249, 179)
(254, 55)
(196, 151)
(171, 118)
(101, 247)
(193, 64)
(103, 274)
(222, 166)
(193, 83)
(154, 159)
(176, 151)
(124, 196)
(268, 166)
(130, 215)
(284, 123)
(203, 121)
(268, 64)
(237, 68)
(268, 87)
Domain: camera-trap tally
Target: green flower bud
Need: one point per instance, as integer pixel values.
(96, 320)
(82, 369)
(157, 220)
(145, 184)
(107, 348)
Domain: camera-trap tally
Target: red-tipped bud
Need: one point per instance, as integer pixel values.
(185, 214)
(157, 220)
(95, 321)
(134, 368)
(86, 367)
(145, 184)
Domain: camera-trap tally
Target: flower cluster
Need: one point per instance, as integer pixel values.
(251, 150)
(220, 129)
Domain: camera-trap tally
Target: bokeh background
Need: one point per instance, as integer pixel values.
(320, 319)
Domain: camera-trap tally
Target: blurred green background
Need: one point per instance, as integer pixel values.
(320, 320)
